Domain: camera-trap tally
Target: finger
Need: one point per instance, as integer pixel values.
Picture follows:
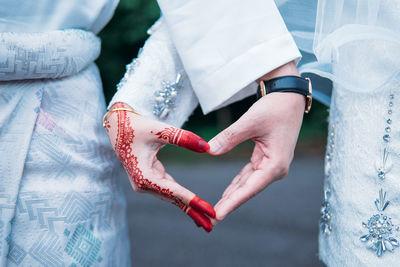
(200, 219)
(202, 206)
(257, 181)
(235, 134)
(175, 192)
(169, 177)
(171, 193)
(182, 138)
(245, 172)
(214, 222)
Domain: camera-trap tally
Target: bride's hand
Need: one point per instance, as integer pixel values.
(136, 141)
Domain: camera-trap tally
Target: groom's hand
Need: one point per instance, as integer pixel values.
(273, 123)
(136, 141)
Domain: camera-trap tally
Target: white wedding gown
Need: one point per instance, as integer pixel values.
(358, 46)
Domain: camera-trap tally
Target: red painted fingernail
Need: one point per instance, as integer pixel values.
(200, 219)
(203, 206)
(193, 142)
(208, 227)
(203, 146)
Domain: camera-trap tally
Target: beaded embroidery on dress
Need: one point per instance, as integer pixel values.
(364, 201)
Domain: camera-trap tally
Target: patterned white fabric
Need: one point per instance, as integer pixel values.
(61, 202)
(52, 54)
(359, 122)
(357, 47)
(50, 15)
(61, 199)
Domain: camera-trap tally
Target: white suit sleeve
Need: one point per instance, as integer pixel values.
(226, 45)
(150, 83)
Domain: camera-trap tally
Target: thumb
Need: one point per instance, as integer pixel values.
(235, 134)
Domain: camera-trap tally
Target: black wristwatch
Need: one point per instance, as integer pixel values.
(284, 84)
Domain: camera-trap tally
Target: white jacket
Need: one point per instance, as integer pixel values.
(222, 47)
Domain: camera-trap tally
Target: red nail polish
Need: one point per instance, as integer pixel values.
(200, 219)
(203, 206)
(208, 228)
(203, 146)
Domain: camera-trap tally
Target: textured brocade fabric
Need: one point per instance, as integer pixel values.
(52, 54)
(68, 208)
(61, 202)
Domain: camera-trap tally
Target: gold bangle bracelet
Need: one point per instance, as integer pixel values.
(114, 110)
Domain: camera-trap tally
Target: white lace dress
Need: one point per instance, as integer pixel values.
(357, 46)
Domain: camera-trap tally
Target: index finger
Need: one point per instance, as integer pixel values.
(191, 204)
(253, 183)
(182, 138)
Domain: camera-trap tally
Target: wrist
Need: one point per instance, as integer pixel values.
(286, 80)
(284, 70)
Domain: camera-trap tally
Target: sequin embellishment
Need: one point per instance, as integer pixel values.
(129, 71)
(326, 215)
(380, 237)
(326, 212)
(381, 230)
(165, 98)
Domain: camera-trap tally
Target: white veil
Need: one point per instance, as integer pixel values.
(354, 43)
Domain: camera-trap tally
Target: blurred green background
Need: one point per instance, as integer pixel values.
(125, 35)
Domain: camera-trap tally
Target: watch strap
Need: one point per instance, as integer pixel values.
(287, 84)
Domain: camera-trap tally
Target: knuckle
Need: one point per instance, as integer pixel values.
(227, 135)
(139, 187)
(284, 171)
(281, 169)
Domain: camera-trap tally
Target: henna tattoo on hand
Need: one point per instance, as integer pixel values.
(124, 140)
(179, 137)
(108, 126)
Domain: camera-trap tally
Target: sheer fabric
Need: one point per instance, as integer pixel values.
(333, 30)
(356, 45)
